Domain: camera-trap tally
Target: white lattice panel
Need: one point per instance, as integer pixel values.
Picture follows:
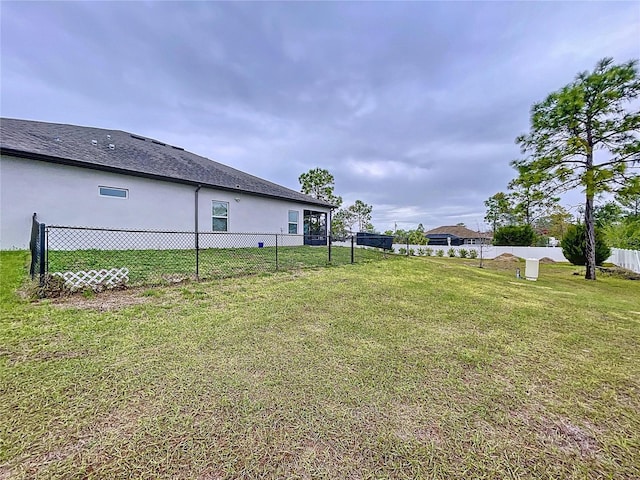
(93, 278)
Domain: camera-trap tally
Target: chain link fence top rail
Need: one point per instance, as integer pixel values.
(155, 257)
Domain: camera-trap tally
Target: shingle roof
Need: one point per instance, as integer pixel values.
(458, 231)
(131, 154)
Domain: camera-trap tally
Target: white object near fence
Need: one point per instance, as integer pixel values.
(531, 269)
(93, 278)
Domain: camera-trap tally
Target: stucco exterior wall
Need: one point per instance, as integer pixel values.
(66, 195)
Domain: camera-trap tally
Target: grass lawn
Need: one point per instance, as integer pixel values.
(401, 368)
(150, 267)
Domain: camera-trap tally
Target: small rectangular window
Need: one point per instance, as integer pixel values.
(293, 222)
(220, 216)
(113, 192)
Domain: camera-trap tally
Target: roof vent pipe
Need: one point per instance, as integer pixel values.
(94, 142)
(112, 146)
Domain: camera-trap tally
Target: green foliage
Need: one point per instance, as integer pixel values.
(499, 210)
(428, 252)
(440, 252)
(574, 245)
(451, 252)
(88, 293)
(421, 251)
(319, 183)
(416, 237)
(608, 214)
(588, 115)
(342, 223)
(412, 252)
(555, 223)
(530, 202)
(625, 234)
(402, 251)
(628, 197)
(514, 235)
(463, 252)
(413, 237)
(361, 214)
(473, 253)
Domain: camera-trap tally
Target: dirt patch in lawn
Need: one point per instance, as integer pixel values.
(506, 257)
(563, 434)
(105, 301)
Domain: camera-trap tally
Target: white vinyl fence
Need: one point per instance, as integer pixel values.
(629, 259)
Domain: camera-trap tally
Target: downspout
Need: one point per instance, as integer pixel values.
(329, 232)
(197, 233)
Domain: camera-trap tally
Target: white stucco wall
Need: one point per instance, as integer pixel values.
(65, 195)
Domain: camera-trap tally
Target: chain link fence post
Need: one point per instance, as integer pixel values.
(276, 251)
(42, 254)
(352, 249)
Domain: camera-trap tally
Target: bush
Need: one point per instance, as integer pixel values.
(412, 252)
(440, 253)
(429, 252)
(420, 252)
(514, 235)
(625, 234)
(574, 245)
(463, 252)
(402, 251)
(451, 252)
(473, 254)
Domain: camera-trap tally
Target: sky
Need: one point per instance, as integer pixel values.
(413, 107)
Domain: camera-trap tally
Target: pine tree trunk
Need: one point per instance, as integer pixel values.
(589, 224)
(590, 247)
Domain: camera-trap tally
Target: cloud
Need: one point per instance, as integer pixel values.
(414, 107)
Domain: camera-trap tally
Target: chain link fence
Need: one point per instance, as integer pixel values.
(108, 257)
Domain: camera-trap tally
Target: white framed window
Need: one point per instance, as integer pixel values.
(113, 192)
(219, 216)
(294, 216)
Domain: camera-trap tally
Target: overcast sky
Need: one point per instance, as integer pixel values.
(413, 107)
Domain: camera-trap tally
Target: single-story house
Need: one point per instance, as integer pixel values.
(456, 235)
(93, 177)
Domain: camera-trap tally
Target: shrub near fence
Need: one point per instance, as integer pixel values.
(153, 257)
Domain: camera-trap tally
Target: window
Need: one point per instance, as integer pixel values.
(220, 214)
(113, 192)
(293, 221)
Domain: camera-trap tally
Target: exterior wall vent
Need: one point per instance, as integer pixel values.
(94, 143)
(112, 146)
(108, 137)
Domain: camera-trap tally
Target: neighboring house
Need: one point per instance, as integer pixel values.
(456, 235)
(93, 177)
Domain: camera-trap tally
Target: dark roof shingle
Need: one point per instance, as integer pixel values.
(131, 154)
(457, 230)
